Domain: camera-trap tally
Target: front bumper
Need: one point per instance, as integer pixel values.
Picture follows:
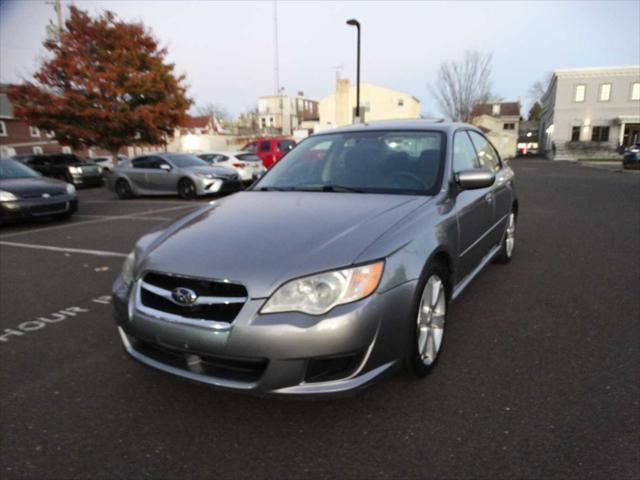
(29, 208)
(211, 186)
(275, 352)
(87, 180)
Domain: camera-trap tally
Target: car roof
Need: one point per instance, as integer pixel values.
(411, 124)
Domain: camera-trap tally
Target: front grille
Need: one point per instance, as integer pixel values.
(40, 194)
(217, 301)
(228, 368)
(49, 208)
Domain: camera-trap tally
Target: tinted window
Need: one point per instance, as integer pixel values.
(487, 155)
(183, 160)
(141, 162)
(155, 162)
(64, 159)
(13, 169)
(464, 155)
(250, 147)
(265, 146)
(248, 157)
(376, 162)
(286, 145)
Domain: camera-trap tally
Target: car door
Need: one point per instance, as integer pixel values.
(162, 177)
(265, 153)
(137, 174)
(501, 189)
(474, 209)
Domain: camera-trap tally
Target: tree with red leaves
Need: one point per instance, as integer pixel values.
(106, 83)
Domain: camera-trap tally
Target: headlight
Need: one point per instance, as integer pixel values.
(317, 294)
(204, 175)
(75, 170)
(127, 268)
(70, 189)
(7, 196)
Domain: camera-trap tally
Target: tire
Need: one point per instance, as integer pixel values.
(508, 240)
(428, 319)
(123, 189)
(187, 189)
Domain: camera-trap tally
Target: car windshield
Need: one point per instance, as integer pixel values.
(184, 160)
(12, 169)
(369, 162)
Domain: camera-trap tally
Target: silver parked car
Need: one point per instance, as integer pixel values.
(171, 173)
(341, 269)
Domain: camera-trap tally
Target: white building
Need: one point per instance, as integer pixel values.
(283, 114)
(590, 112)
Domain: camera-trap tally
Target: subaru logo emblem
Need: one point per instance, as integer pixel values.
(184, 296)
(45, 195)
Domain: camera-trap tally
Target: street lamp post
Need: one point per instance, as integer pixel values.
(354, 23)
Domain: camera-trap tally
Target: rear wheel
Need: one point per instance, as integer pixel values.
(429, 318)
(123, 189)
(508, 240)
(187, 189)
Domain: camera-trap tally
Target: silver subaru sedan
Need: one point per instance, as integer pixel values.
(170, 174)
(334, 269)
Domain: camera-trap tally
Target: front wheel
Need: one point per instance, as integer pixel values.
(187, 189)
(508, 240)
(123, 189)
(430, 314)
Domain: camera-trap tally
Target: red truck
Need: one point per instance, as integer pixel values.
(270, 149)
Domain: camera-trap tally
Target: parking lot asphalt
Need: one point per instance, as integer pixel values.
(539, 376)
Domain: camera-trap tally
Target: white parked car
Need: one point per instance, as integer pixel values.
(248, 165)
(106, 162)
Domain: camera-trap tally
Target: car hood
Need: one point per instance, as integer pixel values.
(33, 186)
(263, 239)
(218, 171)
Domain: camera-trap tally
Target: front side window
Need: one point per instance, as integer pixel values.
(464, 154)
(487, 155)
(579, 93)
(140, 162)
(600, 134)
(605, 92)
(369, 162)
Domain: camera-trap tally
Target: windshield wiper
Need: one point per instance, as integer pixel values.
(327, 188)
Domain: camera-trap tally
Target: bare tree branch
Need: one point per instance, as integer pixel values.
(460, 85)
(539, 88)
(213, 110)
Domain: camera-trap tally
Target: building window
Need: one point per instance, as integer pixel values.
(509, 126)
(579, 93)
(271, 121)
(51, 134)
(401, 102)
(600, 134)
(3, 129)
(495, 110)
(66, 149)
(605, 92)
(635, 91)
(34, 131)
(37, 150)
(575, 134)
(263, 122)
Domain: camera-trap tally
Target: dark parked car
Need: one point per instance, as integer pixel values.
(631, 158)
(65, 166)
(25, 194)
(332, 270)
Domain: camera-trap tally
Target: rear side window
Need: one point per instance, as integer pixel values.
(487, 155)
(265, 146)
(248, 157)
(286, 145)
(141, 162)
(250, 147)
(464, 155)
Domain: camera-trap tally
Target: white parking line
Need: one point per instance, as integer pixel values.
(99, 253)
(160, 219)
(97, 220)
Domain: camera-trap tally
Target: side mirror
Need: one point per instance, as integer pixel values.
(473, 179)
(165, 167)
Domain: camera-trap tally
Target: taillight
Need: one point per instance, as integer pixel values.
(239, 165)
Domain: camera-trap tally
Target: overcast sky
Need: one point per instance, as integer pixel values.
(226, 49)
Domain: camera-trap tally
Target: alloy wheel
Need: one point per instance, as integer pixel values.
(431, 318)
